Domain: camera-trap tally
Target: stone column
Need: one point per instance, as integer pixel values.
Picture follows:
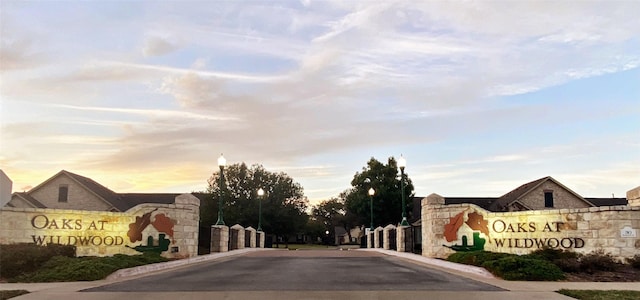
(633, 196)
(370, 239)
(404, 239)
(249, 237)
(236, 240)
(389, 239)
(377, 237)
(430, 245)
(219, 238)
(260, 239)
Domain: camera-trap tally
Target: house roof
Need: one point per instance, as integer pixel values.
(120, 202)
(483, 202)
(99, 190)
(608, 201)
(27, 198)
(515, 195)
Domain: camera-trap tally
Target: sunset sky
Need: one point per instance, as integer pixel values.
(480, 97)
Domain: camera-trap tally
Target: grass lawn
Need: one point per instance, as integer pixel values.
(601, 295)
(6, 294)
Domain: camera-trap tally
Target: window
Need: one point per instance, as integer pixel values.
(63, 193)
(548, 198)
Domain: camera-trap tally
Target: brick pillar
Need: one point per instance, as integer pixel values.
(219, 238)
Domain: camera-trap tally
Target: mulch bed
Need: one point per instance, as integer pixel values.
(624, 273)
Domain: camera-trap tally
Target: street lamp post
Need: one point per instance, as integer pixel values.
(371, 193)
(221, 163)
(402, 163)
(260, 196)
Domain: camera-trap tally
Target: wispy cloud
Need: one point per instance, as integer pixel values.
(290, 83)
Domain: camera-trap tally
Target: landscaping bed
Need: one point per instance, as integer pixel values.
(57, 263)
(554, 265)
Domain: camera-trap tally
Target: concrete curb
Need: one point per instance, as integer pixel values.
(122, 273)
(478, 271)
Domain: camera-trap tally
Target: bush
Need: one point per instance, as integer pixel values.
(17, 259)
(567, 261)
(523, 268)
(87, 268)
(598, 261)
(551, 254)
(476, 258)
(634, 261)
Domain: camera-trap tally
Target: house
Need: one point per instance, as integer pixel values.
(67, 190)
(540, 194)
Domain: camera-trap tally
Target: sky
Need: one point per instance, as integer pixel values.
(480, 97)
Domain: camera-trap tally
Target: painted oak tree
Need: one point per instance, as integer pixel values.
(387, 201)
(283, 205)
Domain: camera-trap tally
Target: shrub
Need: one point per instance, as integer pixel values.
(567, 261)
(634, 261)
(87, 268)
(523, 268)
(476, 258)
(17, 259)
(598, 261)
(551, 254)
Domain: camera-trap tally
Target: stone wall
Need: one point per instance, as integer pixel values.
(467, 227)
(145, 227)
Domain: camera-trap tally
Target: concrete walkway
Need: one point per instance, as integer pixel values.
(521, 290)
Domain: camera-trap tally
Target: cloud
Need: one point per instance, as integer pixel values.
(157, 46)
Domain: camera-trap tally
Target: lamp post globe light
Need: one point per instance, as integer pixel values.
(402, 163)
(222, 162)
(371, 193)
(260, 197)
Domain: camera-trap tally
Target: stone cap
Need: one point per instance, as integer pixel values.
(187, 199)
(237, 227)
(633, 194)
(433, 199)
(390, 226)
(249, 229)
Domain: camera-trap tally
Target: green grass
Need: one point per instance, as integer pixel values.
(601, 295)
(6, 294)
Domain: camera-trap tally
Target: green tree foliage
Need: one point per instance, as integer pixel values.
(283, 205)
(330, 213)
(387, 201)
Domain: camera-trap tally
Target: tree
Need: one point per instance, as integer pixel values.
(283, 207)
(387, 201)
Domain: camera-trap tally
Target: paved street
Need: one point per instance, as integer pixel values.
(287, 275)
(306, 270)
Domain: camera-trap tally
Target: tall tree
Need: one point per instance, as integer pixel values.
(283, 205)
(387, 201)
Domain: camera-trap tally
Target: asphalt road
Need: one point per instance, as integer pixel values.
(304, 270)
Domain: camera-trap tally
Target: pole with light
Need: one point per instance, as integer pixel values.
(221, 163)
(402, 163)
(371, 193)
(260, 196)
